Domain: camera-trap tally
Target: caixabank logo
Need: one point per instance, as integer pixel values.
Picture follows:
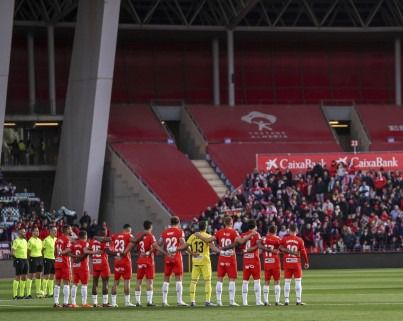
(263, 124)
(302, 162)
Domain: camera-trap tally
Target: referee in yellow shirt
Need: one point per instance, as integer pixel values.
(35, 263)
(19, 250)
(48, 252)
(201, 264)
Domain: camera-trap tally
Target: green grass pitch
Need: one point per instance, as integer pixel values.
(375, 294)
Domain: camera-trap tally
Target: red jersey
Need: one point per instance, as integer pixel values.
(226, 237)
(99, 261)
(77, 248)
(296, 244)
(272, 242)
(144, 246)
(62, 261)
(171, 240)
(250, 257)
(119, 243)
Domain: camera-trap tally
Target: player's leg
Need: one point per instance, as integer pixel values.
(51, 281)
(206, 271)
(139, 282)
(38, 280)
(150, 284)
(117, 276)
(178, 271)
(94, 292)
(84, 289)
(245, 283)
(56, 291)
(76, 280)
(16, 281)
(219, 285)
(277, 287)
(298, 286)
(66, 287)
(256, 284)
(127, 275)
(232, 272)
(266, 287)
(288, 273)
(23, 277)
(196, 271)
(165, 285)
(28, 286)
(105, 289)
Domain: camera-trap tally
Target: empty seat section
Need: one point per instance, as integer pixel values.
(384, 125)
(270, 123)
(170, 176)
(130, 123)
(238, 160)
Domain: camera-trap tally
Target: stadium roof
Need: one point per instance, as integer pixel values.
(240, 15)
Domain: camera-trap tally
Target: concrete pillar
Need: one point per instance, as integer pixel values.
(51, 69)
(231, 72)
(216, 71)
(31, 72)
(6, 32)
(83, 141)
(398, 72)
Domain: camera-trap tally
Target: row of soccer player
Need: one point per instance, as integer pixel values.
(61, 258)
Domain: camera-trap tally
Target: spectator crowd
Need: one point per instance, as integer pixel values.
(337, 209)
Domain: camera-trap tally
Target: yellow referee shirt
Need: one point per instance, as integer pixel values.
(201, 248)
(35, 247)
(49, 247)
(20, 247)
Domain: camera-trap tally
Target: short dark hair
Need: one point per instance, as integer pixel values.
(202, 225)
(175, 220)
(66, 227)
(227, 220)
(273, 229)
(292, 227)
(82, 234)
(251, 224)
(126, 226)
(147, 224)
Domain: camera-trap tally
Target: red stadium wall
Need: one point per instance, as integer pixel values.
(266, 72)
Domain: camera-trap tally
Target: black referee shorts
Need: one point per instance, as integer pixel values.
(35, 264)
(49, 266)
(21, 266)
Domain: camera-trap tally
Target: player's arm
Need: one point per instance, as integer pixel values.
(204, 238)
(304, 255)
(242, 240)
(182, 245)
(112, 253)
(213, 247)
(29, 250)
(129, 247)
(137, 239)
(156, 247)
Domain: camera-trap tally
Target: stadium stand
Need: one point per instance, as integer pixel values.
(129, 123)
(170, 175)
(385, 128)
(268, 123)
(237, 160)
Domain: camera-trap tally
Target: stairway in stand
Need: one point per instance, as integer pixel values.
(210, 176)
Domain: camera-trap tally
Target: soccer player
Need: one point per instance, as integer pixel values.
(201, 264)
(145, 262)
(35, 263)
(80, 251)
(292, 263)
(271, 262)
(251, 264)
(227, 238)
(62, 267)
(100, 267)
(122, 263)
(173, 241)
(19, 250)
(48, 251)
